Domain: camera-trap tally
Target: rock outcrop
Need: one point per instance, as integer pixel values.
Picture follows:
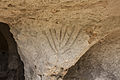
(101, 62)
(52, 35)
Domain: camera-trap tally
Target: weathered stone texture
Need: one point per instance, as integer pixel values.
(101, 62)
(53, 34)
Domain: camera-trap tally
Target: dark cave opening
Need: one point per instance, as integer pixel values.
(11, 66)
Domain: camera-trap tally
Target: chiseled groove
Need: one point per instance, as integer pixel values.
(66, 50)
(54, 47)
(76, 38)
(53, 40)
(65, 33)
(60, 33)
(55, 34)
(60, 37)
(69, 37)
(49, 41)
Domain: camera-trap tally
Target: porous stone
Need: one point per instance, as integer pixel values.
(52, 35)
(101, 62)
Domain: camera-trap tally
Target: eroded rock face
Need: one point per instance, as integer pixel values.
(101, 62)
(53, 34)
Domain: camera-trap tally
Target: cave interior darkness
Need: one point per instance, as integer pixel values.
(11, 66)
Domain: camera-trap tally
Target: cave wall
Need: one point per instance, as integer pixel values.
(100, 62)
(53, 34)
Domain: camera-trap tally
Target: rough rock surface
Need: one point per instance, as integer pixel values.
(101, 62)
(53, 34)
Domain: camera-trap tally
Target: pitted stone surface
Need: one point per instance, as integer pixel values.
(53, 34)
(101, 62)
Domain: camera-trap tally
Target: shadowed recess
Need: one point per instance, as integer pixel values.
(100, 62)
(11, 66)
